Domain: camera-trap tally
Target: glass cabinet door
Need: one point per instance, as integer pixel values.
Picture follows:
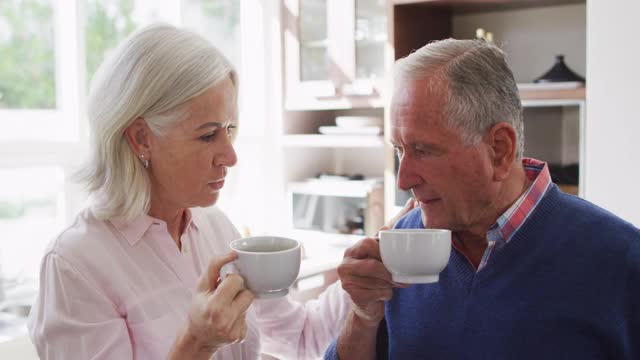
(370, 37)
(312, 22)
(334, 53)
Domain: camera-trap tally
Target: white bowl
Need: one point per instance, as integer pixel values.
(352, 122)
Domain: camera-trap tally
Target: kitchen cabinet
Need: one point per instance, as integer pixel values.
(334, 53)
(333, 65)
(333, 183)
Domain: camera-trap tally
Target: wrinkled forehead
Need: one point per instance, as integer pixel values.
(418, 103)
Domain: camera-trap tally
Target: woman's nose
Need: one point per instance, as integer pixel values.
(227, 156)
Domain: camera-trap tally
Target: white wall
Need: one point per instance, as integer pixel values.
(613, 107)
(530, 36)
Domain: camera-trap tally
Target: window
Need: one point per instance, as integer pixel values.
(218, 21)
(32, 210)
(45, 70)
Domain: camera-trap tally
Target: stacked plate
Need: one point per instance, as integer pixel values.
(354, 125)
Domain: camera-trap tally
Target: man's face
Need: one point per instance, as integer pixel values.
(452, 180)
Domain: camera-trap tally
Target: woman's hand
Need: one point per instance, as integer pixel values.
(217, 313)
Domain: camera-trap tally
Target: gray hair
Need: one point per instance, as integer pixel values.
(152, 74)
(481, 88)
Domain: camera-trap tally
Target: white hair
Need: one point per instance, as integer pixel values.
(481, 89)
(150, 75)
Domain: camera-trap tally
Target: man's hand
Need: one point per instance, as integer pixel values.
(369, 284)
(365, 278)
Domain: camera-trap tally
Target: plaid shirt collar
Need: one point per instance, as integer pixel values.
(503, 230)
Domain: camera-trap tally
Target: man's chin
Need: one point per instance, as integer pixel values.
(432, 222)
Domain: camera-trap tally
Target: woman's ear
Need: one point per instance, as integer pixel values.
(502, 141)
(138, 136)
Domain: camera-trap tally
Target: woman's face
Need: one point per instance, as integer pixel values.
(189, 162)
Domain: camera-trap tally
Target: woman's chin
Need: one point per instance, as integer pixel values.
(208, 200)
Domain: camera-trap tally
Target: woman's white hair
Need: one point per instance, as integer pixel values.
(150, 75)
(481, 89)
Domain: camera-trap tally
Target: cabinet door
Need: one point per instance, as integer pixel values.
(313, 40)
(370, 36)
(321, 62)
(307, 46)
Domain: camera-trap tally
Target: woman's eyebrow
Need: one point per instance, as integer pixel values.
(211, 124)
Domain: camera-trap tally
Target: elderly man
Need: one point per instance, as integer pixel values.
(534, 273)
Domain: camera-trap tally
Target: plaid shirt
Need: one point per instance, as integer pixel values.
(511, 220)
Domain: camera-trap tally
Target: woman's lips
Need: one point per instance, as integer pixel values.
(216, 185)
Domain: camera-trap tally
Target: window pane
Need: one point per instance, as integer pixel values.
(27, 60)
(218, 21)
(108, 22)
(31, 213)
(314, 56)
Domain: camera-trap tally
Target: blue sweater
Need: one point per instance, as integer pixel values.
(567, 286)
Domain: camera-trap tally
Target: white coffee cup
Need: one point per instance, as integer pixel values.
(268, 264)
(415, 256)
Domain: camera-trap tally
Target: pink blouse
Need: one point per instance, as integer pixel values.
(115, 291)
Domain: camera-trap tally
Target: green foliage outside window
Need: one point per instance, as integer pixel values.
(223, 10)
(27, 61)
(27, 39)
(105, 28)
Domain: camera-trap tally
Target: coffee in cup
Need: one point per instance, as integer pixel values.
(268, 264)
(415, 256)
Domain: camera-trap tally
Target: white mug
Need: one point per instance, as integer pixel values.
(415, 256)
(268, 264)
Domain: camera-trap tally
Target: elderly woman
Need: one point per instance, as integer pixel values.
(136, 276)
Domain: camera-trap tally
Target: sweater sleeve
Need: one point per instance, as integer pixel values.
(332, 351)
(632, 305)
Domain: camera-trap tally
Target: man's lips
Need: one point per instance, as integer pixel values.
(428, 201)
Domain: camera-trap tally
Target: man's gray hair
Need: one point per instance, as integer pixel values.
(150, 75)
(481, 88)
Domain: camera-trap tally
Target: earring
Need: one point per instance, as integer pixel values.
(145, 162)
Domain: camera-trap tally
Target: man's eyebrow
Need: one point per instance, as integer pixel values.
(425, 145)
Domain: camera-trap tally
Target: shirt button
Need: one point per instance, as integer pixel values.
(185, 249)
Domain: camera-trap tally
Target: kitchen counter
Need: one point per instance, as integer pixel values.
(321, 251)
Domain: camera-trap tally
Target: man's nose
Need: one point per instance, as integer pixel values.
(406, 174)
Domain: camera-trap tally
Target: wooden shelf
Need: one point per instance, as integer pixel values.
(557, 94)
(337, 188)
(333, 141)
(335, 103)
(470, 6)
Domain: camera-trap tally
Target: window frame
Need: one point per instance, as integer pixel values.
(59, 137)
